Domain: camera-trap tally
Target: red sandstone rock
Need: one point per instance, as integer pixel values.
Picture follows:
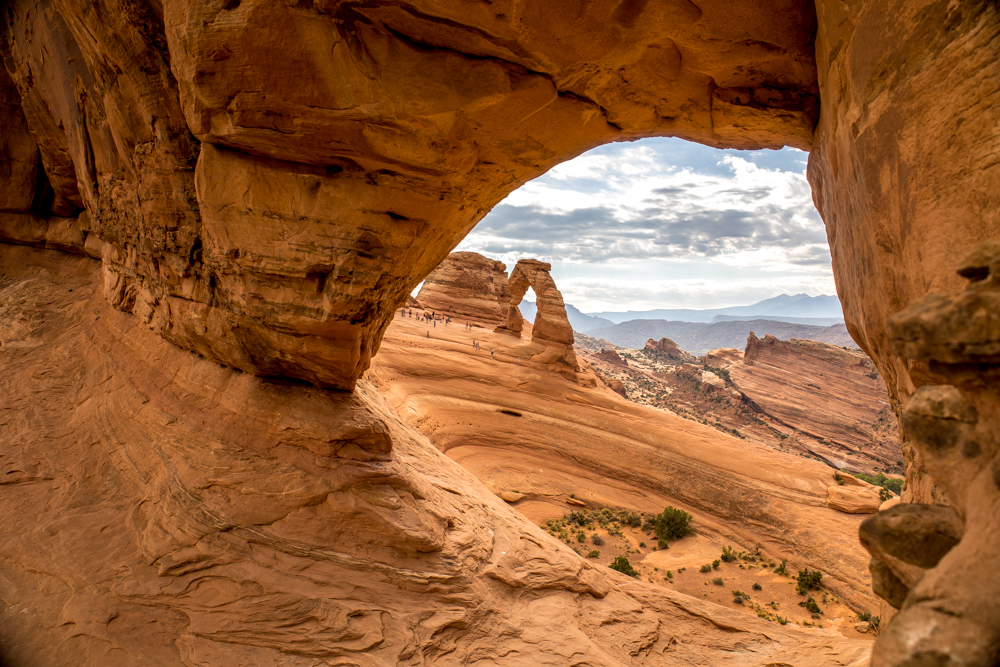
(611, 356)
(667, 347)
(467, 286)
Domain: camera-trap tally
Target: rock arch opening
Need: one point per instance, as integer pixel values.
(275, 227)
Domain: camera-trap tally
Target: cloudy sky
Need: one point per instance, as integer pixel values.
(665, 223)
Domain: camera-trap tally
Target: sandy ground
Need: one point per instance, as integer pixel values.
(520, 426)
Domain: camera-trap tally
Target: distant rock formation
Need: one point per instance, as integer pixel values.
(667, 347)
(467, 286)
(411, 302)
(611, 357)
(551, 326)
(723, 357)
(824, 391)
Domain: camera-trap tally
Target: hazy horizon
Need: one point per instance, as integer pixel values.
(665, 223)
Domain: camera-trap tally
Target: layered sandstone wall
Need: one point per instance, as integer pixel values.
(469, 287)
(274, 225)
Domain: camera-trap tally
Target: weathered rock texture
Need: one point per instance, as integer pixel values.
(161, 509)
(274, 225)
(831, 394)
(266, 182)
(667, 347)
(469, 287)
(551, 327)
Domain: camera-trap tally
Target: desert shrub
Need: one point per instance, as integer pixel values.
(808, 581)
(739, 593)
(622, 565)
(894, 484)
(563, 534)
(642, 545)
(718, 581)
(716, 563)
(758, 587)
(728, 556)
(781, 620)
(670, 575)
(633, 519)
(597, 539)
(593, 554)
(662, 544)
(579, 518)
(738, 599)
(705, 568)
(864, 616)
(581, 536)
(884, 494)
(811, 605)
(781, 568)
(673, 524)
(876, 621)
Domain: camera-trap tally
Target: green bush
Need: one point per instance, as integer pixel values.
(864, 616)
(808, 581)
(718, 581)
(894, 484)
(642, 545)
(594, 554)
(781, 568)
(716, 563)
(633, 520)
(673, 524)
(728, 556)
(758, 587)
(811, 605)
(597, 539)
(705, 568)
(581, 536)
(622, 565)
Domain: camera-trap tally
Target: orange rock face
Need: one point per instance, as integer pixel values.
(468, 287)
(822, 390)
(265, 183)
(667, 347)
(551, 328)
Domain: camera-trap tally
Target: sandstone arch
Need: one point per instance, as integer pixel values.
(551, 326)
(274, 226)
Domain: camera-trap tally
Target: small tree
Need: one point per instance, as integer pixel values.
(622, 565)
(673, 524)
(727, 555)
(808, 581)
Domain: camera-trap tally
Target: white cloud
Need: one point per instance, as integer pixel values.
(663, 223)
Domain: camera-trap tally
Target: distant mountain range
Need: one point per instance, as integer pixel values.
(779, 308)
(700, 337)
(698, 331)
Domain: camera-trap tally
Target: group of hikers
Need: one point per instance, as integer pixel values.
(425, 317)
(432, 317)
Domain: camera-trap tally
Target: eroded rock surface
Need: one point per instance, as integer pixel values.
(834, 395)
(469, 287)
(667, 347)
(551, 328)
(161, 509)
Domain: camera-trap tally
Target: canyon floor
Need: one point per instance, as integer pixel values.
(561, 447)
(161, 509)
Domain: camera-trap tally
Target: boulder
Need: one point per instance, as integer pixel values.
(611, 356)
(711, 381)
(853, 499)
(723, 357)
(666, 347)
